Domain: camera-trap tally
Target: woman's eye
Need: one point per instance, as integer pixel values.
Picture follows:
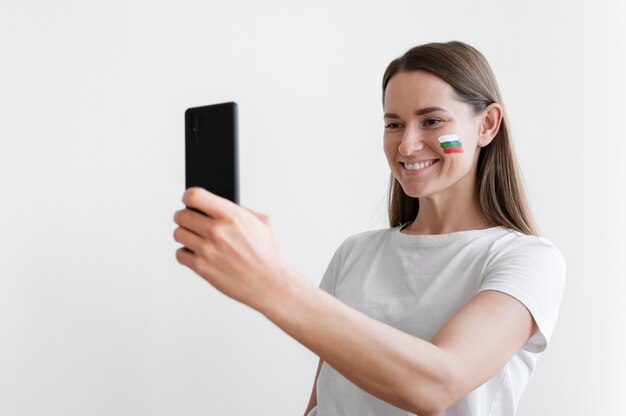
(391, 126)
(431, 119)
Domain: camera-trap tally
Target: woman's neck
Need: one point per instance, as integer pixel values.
(447, 212)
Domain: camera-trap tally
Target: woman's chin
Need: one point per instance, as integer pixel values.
(416, 193)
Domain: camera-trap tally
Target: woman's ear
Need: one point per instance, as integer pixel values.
(489, 124)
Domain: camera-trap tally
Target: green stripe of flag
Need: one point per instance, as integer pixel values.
(454, 143)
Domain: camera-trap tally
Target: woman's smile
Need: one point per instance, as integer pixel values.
(418, 168)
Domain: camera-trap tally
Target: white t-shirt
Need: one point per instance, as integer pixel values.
(415, 283)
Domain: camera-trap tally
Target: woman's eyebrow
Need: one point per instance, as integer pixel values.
(419, 112)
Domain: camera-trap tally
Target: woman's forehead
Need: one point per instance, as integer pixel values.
(418, 85)
(419, 89)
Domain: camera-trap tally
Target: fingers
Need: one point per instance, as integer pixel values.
(188, 239)
(212, 205)
(198, 224)
(186, 257)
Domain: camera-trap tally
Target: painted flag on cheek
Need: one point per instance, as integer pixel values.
(450, 143)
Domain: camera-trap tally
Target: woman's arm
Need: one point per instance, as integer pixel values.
(410, 373)
(236, 250)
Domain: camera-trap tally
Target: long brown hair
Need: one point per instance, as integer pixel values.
(498, 181)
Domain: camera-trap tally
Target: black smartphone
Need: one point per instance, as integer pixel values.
(211, 149)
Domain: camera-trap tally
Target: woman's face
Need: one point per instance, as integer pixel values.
(414, 127)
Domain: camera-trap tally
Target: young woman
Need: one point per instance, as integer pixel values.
(444, 313)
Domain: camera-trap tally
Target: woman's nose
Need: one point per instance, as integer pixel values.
(412, 142)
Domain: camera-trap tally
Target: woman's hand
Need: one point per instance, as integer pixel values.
(233, 248)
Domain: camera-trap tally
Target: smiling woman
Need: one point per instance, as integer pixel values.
(462, 269)
(448, 316)
(458, 75)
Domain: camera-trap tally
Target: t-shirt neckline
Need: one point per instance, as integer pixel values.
(442, 239)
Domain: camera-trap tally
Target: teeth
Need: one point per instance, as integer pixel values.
(418, 166)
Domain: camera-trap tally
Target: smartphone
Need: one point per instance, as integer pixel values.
(211, 149)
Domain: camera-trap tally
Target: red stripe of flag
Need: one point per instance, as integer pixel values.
(453, 150)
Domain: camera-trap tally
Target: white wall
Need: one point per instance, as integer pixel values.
(96, 315)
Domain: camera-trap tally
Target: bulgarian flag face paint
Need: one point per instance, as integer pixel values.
(450, 143)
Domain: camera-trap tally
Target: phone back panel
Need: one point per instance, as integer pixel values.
(211, 149)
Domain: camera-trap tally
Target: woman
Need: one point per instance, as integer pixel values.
(445, 312)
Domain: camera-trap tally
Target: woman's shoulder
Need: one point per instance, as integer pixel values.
(366, 238)
(513, 239)
(371, 234)
(517, 246)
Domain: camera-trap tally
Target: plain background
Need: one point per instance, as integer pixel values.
(96, 315)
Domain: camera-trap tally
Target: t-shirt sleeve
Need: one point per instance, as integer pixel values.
(532, 270)
(329, 279)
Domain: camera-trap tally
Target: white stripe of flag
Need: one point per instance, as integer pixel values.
(448, 138)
